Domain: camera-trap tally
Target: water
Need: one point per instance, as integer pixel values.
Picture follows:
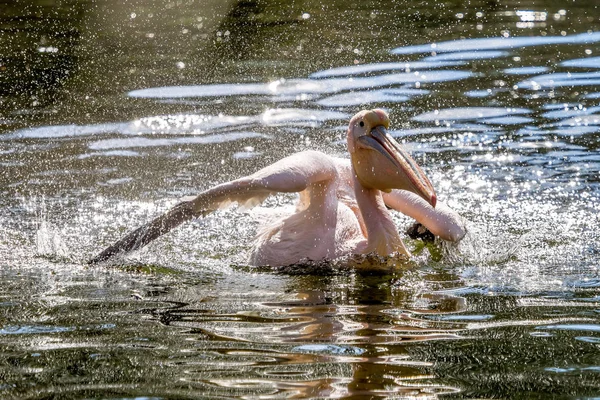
(110, 112)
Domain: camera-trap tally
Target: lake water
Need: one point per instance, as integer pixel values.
(111, 111)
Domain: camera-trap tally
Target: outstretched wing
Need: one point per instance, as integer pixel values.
(295, 173)
(442, 221)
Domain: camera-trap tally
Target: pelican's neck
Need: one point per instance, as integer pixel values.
(381, 232)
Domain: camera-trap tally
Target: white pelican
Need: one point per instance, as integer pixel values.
(342, 203)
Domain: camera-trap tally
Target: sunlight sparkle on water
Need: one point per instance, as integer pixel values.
(117, 113)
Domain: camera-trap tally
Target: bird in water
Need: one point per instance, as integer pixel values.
(343, 205)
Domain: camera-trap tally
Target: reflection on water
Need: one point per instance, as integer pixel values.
(110, 113)
(504, 42)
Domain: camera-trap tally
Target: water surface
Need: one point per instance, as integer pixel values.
(110, 112)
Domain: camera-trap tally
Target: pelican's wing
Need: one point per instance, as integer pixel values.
(442, 221)
(292, 174)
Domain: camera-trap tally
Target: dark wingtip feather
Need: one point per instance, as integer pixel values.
(147, 233)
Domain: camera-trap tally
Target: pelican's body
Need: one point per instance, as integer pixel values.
(342, 207)
(323, 226)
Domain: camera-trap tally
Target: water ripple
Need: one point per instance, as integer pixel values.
(298, 87)
(572, 327)
(361, 69)
(108, 144)
(371, 97)
(525, 70)
(468, 55)
(498, 43)
(468, 113)
(588, 62)
(561, 79)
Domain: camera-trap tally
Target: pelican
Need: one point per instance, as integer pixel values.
(342, 207)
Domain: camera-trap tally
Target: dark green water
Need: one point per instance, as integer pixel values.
(111, 111)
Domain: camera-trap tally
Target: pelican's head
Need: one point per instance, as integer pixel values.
(379, 161)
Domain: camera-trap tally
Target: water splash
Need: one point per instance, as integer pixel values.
(48, 238)
(49, 241)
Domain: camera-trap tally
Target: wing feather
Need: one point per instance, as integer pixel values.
(292, 174)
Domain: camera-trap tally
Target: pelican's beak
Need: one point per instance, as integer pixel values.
(381, 163)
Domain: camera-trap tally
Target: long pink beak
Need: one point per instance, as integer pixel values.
(411, 176)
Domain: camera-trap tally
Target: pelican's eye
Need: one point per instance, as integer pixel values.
(362, 123)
